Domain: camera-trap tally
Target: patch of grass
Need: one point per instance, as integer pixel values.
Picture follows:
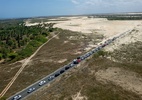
(100, 53)
(31, 47)
(130, 56)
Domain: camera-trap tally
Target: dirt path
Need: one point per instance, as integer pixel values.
(21, 69)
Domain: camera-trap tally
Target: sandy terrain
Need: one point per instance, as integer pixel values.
(92, 25)
(96, 25)
(100, 26)
(131, 37)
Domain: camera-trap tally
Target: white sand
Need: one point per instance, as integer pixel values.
(99, 25)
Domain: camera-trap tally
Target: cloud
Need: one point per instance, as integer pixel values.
(107, 5)
(102, 2)
(75, 1)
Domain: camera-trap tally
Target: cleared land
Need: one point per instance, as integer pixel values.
(115, 75)
(88, 80)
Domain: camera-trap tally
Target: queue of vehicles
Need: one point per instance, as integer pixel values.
(67, 67)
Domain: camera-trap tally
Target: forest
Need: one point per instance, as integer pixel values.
(118, 16)
(18, 41)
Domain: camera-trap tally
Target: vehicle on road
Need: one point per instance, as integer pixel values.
(62, 71)
(30, 90)
(103, 45)
(82, 57)
(71, 65)
(41, 83)
(77, 61)
(17, 97)
(57, 74)
(66, 68)
(50, 78)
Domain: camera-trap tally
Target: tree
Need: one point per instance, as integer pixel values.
(0, 56)
(12, 55)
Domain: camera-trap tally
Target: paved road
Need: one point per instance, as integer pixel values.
(49, 78)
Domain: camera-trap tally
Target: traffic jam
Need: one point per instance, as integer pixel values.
(65, 68)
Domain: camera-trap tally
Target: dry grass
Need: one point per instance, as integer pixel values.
(46, 60)
(83, 78)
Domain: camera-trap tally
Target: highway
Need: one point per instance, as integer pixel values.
(49, 78)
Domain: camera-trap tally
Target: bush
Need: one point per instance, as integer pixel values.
(12, 55)
(32, 46)
(0, 56)
(100, 53)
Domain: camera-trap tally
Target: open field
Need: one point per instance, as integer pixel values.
(115, 76)
(100, 78)
(87, 81)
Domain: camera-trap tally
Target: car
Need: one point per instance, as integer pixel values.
(50, 78)
(30, 90)
(62, 71)
(66, 68)
(87, 55)
(78, 57)
(93, 51)
(57, 74)
(99, 47)
(17, 97)
(82, 58)
(103, 45)
(114, 38)
(75, 61)
(41, 83)
(71, 65)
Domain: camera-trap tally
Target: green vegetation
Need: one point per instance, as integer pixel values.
(100, 53)
(3, 98)
(119, 16)
(18, 41)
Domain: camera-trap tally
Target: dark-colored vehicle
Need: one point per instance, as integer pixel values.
(103, 45)
(57, 74)
(78, 57)
(99, 48)
(62, 71)
(66, 68)
(75, 61)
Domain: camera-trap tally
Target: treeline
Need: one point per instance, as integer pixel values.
(119, 17)
(18, 41)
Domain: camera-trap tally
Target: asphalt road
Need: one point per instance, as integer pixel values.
(24, 93)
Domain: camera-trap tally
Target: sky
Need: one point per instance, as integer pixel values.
(35, 8)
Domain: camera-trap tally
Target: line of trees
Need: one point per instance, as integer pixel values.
(18, 41)
(119, 17)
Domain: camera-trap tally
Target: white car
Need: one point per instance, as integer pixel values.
(41, 83)
(17, 97)
(30, 90)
